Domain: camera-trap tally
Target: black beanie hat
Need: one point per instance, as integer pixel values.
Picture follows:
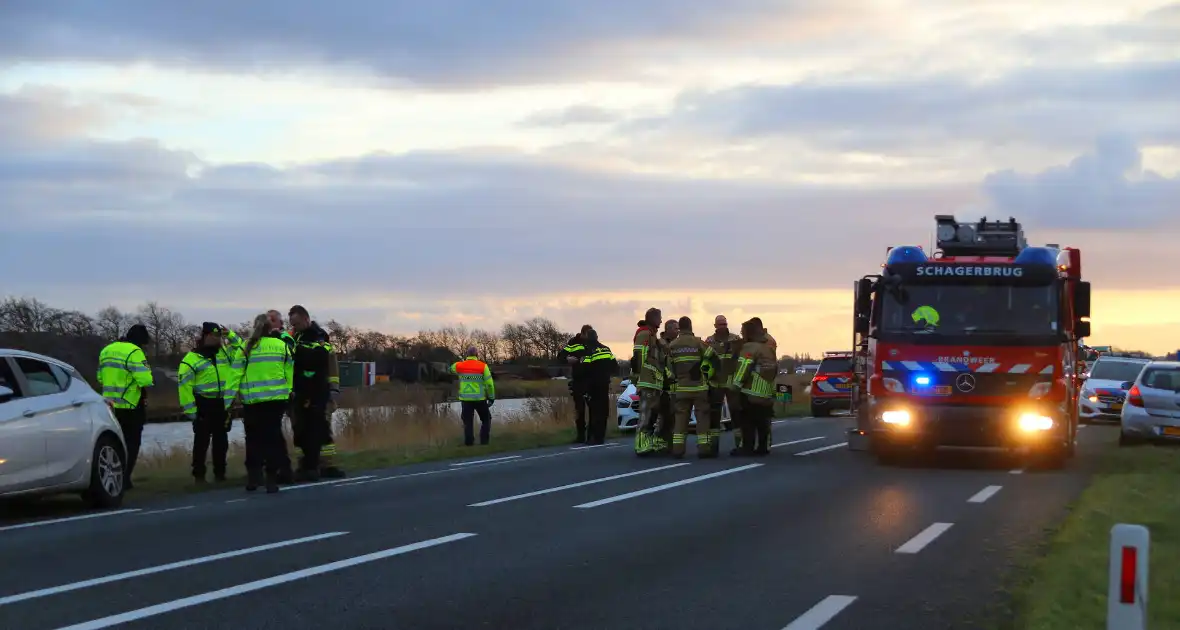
(138, 335)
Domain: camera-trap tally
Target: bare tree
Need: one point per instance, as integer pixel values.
(111, 323)
(26, 315)
(343, 337)
(490, 346)
(165, 327)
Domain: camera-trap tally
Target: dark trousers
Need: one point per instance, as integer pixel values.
(210, 427)
(470, 408)
(665, 418)
(756, 426)
(579, 396)
(132, 421)
(598, 404)
(312, 431)
(265, 447)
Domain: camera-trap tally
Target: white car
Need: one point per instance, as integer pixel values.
(628, 411)
(57, 434)
(1106, 387)
(1152, 412)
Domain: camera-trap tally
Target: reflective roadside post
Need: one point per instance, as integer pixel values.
(1130, 547)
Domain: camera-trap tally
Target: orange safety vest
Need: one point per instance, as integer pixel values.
(475, 380)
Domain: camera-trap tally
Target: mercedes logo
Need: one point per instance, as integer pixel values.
(965, 382)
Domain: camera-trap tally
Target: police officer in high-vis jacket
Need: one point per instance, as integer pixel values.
(124, 375)
(268, 370)
(208, 383)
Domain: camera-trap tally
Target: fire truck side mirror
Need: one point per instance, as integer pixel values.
(1081, 301)
(1082, 329)
(864, 298)
(862, 325)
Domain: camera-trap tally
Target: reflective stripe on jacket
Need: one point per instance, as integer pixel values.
(475, 380)
(123, 372)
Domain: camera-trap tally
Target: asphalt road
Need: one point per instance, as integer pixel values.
(566, 538)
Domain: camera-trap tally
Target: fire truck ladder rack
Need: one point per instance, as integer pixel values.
(983, 238)
(858, 440)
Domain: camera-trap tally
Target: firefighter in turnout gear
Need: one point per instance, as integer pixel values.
(207, 381)
(691, 363)
(666, 413)
(757, 366)
(124, 375)
(725, 346)
(312, 395)
(477, 394)
(600, 366)
(575, 354)
(647, 373)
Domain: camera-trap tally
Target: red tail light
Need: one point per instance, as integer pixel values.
(1135, 397)
(819, 377)
(634, 396)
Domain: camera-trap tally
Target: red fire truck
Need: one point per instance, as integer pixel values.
(975, 345)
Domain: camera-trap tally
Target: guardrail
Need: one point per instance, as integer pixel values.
(1130, 551)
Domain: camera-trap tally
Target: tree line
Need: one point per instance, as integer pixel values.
(537, 340)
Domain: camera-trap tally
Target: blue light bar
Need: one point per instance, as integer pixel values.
(1037, 256)
(906, 254)
(922, 380)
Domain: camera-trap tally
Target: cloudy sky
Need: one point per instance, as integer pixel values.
(402, 165)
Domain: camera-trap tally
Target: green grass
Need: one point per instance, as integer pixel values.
(1066, 589)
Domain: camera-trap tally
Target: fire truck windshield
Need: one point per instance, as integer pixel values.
(956, 310)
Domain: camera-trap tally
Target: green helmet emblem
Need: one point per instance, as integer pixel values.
(925, 314)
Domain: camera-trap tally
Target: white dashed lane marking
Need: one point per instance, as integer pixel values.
(821, 449)
(575, 485)
(821, 613)
(985, 494)
(925, 537)
(165, 511)
(666, 486)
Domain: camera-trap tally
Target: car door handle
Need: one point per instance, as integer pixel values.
(29, 413)
(78, 403)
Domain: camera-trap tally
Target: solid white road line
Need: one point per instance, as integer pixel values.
(811, 439)
(487, 464)
(588, 446)
(165, 511)
(236, 500)
(821, 449)
(925, 537)
(65, 588)
(985, 494)
(666, 486)
(486, 461)
(67, 519)
(821, 613)
(1018, 471)
(330, 482)
(575, 485)
(166, 607)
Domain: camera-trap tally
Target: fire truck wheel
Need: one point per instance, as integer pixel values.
(820, 412)
(890, 454)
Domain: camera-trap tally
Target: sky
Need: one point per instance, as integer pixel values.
(405, 165)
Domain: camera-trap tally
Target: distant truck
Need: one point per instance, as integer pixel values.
(976, 345)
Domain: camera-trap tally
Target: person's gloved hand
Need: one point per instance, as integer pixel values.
(491, 401)
(192, 417)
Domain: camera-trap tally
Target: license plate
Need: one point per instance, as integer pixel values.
(937, 390)
(844, 386)
(1173, 431)
(1116, 407)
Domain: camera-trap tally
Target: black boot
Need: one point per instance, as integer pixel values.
(253, 480)
(272, 482)
(332, 472)
(286, 477)
(305, 476)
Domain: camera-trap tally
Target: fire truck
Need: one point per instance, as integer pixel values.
(975, 345)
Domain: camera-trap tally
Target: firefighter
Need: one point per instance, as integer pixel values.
(267, 377)
(600, 366)
(754, 377)
(313, 394)
(666, 413)
(208, 383)
(691, 363)
(124, 375)
(574, 353)
(725, 345)
(647, 374)
(477, 394)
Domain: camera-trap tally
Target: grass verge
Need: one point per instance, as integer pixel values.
(1066, 588)
(405, 426)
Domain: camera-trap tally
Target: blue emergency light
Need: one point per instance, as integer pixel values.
(922, 380)
(906, 254)
(1037, 256)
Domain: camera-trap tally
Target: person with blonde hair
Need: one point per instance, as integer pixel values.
(268, 371)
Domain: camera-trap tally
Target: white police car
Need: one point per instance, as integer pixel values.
(628, 411)
(1105, 389)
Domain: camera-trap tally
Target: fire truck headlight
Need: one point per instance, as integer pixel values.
(893, 385)
(1032, 422)
(1039, 390)
(898, 418)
